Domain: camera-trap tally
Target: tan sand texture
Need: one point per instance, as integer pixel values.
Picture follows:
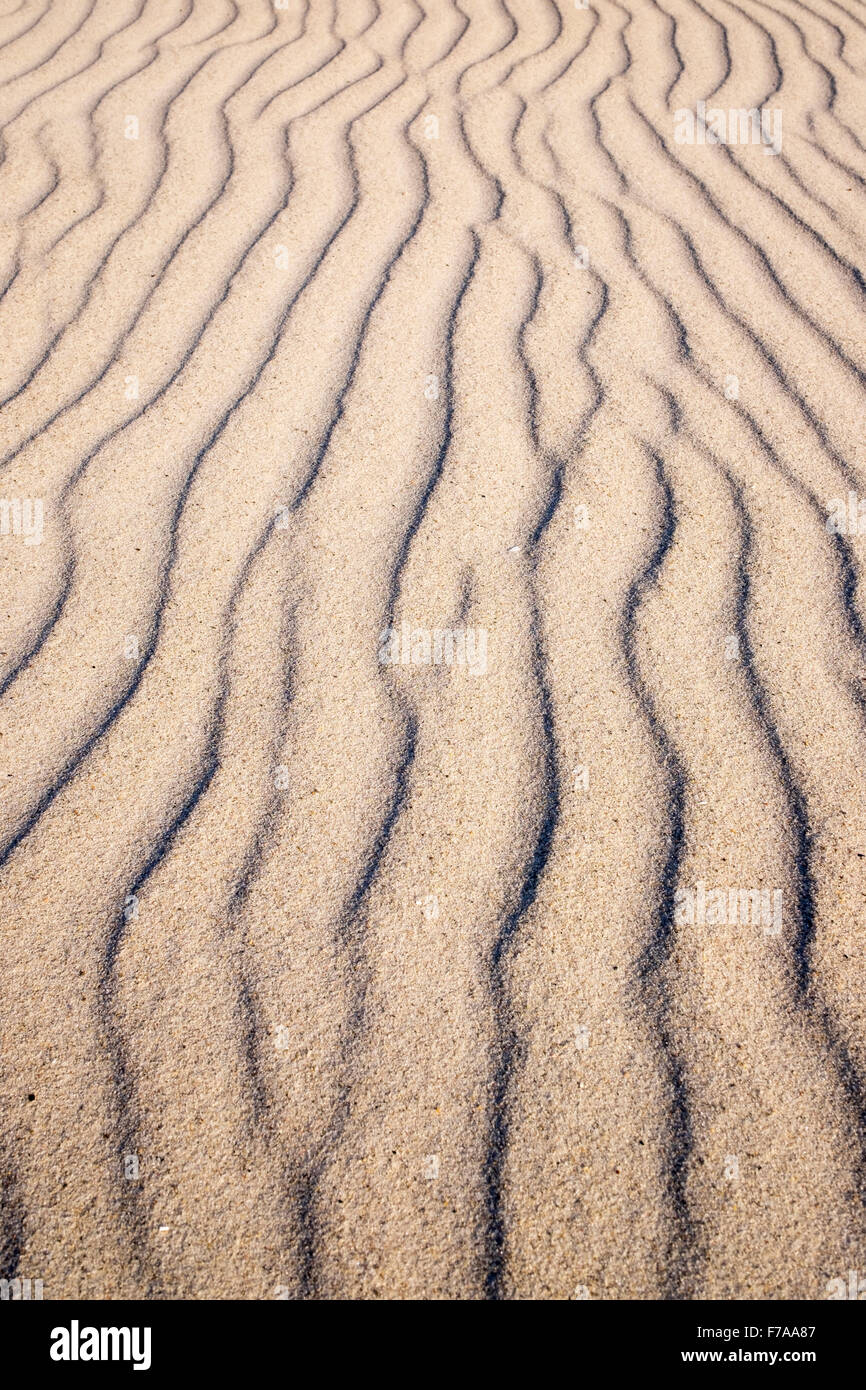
(343, 966)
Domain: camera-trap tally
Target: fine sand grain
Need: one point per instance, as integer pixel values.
(432, 568)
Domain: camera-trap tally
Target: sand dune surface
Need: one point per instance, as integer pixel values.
(433, 660)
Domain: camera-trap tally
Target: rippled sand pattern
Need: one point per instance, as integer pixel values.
(433, 964)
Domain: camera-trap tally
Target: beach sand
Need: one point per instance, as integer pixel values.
(420, 423)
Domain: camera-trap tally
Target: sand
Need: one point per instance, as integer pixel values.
(418, 602)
